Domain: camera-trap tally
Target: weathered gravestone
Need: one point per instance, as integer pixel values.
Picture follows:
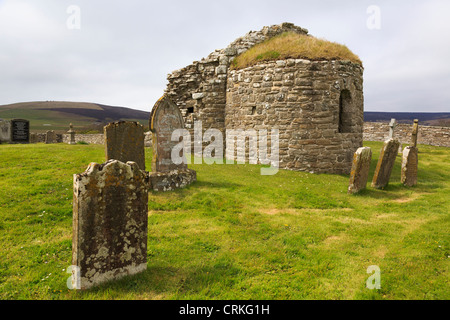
(33, 137)
(71, 133)
(20, 131)
(110, 209)
(385, 163)
(124, 141)
(5, 131)
(415, 133)
(166, 174)
(409, 166)
(410, 159)
(359, 173)
(392, 126)
(50, 137)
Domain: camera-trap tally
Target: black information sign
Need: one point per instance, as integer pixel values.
(20, 131)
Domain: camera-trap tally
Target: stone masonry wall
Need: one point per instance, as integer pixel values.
(302, 99)
(430, 135)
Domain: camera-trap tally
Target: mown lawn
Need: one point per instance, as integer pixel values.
(235, 234)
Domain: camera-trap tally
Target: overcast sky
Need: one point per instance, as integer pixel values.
(120, 52)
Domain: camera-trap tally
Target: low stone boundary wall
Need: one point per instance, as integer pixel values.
(430, 135)
(94, 138)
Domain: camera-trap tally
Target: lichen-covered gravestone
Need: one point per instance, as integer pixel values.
(385, 163)
(166, 175)
(110, 216)
(409, 166)
(50, 137)
(360, 169)
(5, 131)
(124, 141)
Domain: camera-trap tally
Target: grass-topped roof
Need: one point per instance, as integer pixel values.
(294, 45)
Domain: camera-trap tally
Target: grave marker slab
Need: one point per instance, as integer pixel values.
(414, 133)
(20, 131)
(71, 133)
(359, 173)
(165, 118)
(409, 166)
(5, 131)
(110, 216)
(385, 163)
(392, 126)
(50, 137)
(124, 141)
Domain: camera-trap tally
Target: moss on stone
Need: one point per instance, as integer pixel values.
(294, 45)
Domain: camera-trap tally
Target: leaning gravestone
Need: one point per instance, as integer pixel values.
(360, 169)
(124, 141)
(20, 131)
(385, 163)
(410, 159)
(166, 175)
(50, 137)
(5, 131)
(110, 209)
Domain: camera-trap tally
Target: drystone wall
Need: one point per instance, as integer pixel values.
(93, 138)
(199, 90)
(317, 106)
(430, 135)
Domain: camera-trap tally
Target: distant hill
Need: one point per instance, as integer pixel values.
(425, 118)
(57, 115)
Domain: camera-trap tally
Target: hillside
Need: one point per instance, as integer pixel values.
(56, 115)
(425, 118)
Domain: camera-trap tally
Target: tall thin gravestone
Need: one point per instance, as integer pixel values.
(359, 173)
(110, 218)
(167, 174)
(410, 159)
(385, 163)
(392, 126)
(71, 133)
(124, 141)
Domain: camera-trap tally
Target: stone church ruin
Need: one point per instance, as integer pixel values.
(315, 103)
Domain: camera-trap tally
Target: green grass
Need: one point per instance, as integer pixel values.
(235, 234)
(293, 45)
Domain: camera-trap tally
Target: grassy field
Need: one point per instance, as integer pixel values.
(235, 234)
(54, 115)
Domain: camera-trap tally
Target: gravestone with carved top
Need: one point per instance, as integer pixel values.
(166, 174)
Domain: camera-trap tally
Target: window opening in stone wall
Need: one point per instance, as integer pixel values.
(190, 110)
(345, 112)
